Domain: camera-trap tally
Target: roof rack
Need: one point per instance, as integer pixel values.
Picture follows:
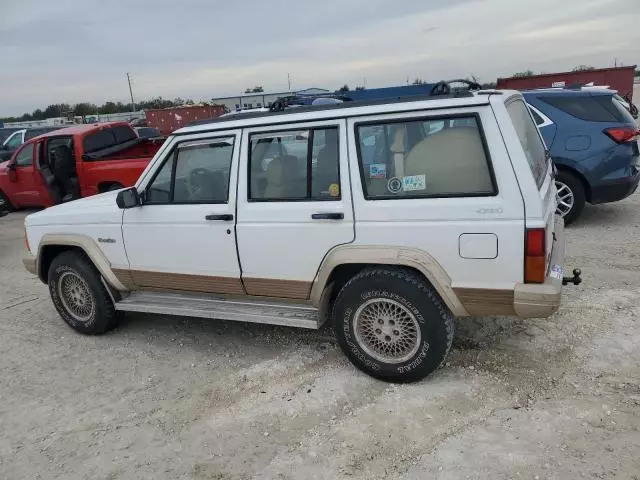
(441, 88)
(357, 98)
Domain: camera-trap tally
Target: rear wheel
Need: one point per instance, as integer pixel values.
(571, 196)
(79, 295)
(392, 325)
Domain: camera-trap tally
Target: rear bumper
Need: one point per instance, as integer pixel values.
(543, 300)
(30, 263)
(616, 190)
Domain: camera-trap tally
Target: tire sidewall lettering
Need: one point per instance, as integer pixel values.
(360, 355)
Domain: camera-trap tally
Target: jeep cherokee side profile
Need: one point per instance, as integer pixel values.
(388, 219)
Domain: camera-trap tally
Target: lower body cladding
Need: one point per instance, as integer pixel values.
(616, 190)
(389, 320)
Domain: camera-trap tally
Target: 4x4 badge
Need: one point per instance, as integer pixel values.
(106, 240)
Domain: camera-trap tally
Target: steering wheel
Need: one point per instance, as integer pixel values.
(196, 181)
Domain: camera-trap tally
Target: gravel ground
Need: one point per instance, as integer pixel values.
(174, 398)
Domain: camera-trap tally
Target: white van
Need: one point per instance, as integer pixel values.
(388, 219)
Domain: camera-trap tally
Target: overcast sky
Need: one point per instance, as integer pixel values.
(54, 51)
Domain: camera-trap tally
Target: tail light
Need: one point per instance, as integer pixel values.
(535, 259)
(621, 134)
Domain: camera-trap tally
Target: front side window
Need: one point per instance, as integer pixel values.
(294, 165)
(24, 158)
(530, 140)
(195, 172)
(439, 157)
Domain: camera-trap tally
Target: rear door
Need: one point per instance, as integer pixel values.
(294, 204)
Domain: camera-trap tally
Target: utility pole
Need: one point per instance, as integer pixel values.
(289, 81)
(133, 104)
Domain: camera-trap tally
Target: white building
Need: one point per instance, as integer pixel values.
(261, 99)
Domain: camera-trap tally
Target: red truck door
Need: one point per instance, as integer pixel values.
(26, 186)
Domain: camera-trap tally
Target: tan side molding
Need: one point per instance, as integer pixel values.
(388, 255)
(90, 247)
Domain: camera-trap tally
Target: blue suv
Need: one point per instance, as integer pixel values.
(592, 139)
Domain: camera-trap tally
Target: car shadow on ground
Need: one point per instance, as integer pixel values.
(470, 333)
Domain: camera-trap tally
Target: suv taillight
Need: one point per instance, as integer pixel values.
(621, 134)
(535, 264)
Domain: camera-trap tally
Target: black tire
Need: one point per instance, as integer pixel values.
(409, 290)
(74, 266)
(575, 186)
(5, 204)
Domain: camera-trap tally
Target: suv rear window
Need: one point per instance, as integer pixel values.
(435, 157)
(598, 108)
(530, 140)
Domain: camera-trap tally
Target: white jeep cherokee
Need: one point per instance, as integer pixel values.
(389, 219)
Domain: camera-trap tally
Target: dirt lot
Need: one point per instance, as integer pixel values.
(179, 398)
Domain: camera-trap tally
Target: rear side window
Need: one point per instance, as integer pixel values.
(529, 139)
(438, 157)
(598, 108)
(295, 165)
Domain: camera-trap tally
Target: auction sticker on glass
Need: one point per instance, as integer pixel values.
(412, 183)
(378, 170)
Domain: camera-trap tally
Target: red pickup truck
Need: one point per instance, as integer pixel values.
(74, 162)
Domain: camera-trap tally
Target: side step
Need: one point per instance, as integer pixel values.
(202, 306)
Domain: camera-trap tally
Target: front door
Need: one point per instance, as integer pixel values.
(183, 236)
(27, 189)
(294, 205)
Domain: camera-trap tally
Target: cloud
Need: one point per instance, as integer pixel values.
(69, 51)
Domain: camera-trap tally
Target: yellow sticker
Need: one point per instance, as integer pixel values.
(334, 190)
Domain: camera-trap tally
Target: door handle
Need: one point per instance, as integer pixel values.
(224, 216)
(328, 216)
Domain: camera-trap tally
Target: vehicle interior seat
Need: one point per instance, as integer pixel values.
(283, 179)
(64, 171)
(458, 150)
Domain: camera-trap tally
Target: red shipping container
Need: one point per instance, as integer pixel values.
(169, 120)
(618, 78)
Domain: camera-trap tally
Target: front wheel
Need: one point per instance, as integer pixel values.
(571, 197)
(79, 295)
(392, 325)
(5, 204)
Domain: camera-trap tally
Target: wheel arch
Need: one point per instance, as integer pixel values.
(581, 178)
(343, 262)
(53, 245)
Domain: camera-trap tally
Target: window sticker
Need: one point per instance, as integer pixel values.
(412, 183)
(556, 272)
(394, 185)
(334, 190)
(378, 170)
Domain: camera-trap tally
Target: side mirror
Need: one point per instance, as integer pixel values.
(13, 177)
(128, 198)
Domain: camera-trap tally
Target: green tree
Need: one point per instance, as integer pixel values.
(526, 73)
(583, 68)
(344, 88)
(84, 108)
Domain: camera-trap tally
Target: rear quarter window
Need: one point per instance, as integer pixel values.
(530, 140)
(424, 158)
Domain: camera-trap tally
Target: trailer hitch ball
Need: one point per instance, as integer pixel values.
(576, 279)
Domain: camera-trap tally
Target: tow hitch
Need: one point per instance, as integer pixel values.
(576, 279)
